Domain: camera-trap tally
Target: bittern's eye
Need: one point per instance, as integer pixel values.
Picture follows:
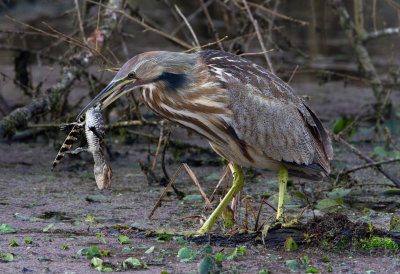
(131, 75)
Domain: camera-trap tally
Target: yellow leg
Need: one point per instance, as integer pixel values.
(237, 185)
(283, 177)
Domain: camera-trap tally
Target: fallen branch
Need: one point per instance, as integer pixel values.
(368, 166)
(20, 117)
(353, 149)
(381, 33)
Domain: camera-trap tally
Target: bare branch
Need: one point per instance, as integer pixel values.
(19, 117)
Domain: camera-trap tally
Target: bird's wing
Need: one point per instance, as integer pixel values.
(267, 114)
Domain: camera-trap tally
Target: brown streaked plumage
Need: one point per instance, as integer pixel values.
(249, 116)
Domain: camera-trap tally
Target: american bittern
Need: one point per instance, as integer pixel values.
(248, 115)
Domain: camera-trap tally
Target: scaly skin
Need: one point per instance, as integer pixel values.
(94, 126)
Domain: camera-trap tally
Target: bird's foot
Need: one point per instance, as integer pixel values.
(281, 223)
(186, 233)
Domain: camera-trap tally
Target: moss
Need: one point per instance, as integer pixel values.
(377, 243)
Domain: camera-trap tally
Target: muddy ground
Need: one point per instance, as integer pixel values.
(63, 212)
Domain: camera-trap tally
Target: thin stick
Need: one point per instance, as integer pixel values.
(258, 214)
(219, 183)
(160, 139)
(369, 165)
(259, 37)
(366, 158)
(210, 22)
(146, 26)
(255, 53)
(163, 154)
(293, 73)
(277, 14)
(271, 206)
(206, 45)
(188, 25)
(80, 21)
(177, 172)
(191, 174)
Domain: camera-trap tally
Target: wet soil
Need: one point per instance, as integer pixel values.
(64, 208)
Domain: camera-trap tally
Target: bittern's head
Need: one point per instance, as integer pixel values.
(172, 69)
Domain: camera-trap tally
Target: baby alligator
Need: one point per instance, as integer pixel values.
(95, 131)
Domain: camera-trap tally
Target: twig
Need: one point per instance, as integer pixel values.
(160, 139)
(177, 172)
(258, 214)
(365, 158)
(191, 17)
(259, 37)
(368, 166)
(146, 26)
(197, 44)
(163, 154)
(206, 45)
(255, 53)
(19, 118)
(191, 174)
(382, 33)
(211, 24)
(293, 73)
(80, 21)
(280, 15)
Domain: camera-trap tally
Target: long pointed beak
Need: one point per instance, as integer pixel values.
(109, 94)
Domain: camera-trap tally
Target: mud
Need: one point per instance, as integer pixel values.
(68, 204)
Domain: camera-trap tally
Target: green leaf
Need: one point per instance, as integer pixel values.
(13, 243)
(325, 259)
(82, 251)
(242, 249)
(65, 247)
(163, 238)
(180, 240)
(47, 227)
(96, 262)
(7, 257)
(290, 244)
(207, 265)
(123, 239)
(233, 255)
(207, 249)
(100, 236)
(293, 265)
(131, 263)
(264, 271)
(186, 255)
(150, 250)
(219, 257)
(338, 193)
(194, 198)
(329, 268)
(327, 203)
(311, 270)
(28, 240)
(300, 195)
(6, 228)
(305, 261)
(92, 252)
